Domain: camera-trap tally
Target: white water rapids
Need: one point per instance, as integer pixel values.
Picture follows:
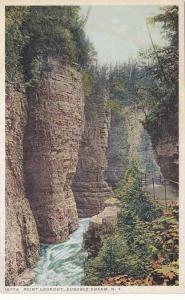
(63, 264)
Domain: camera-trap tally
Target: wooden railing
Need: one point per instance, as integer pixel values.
(148, 179)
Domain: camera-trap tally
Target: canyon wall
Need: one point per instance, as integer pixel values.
(53, 133)
(167, 157)
(128, 141)
(164, 133)
(22, 242)
(89, 187)
(118, 148)
(50, 138)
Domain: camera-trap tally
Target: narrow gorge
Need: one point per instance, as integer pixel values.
(64, 151)
(56, 133)
(89, 185)
(128, 140)
(83, 140)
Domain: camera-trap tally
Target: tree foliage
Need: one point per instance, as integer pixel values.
(42, 31)
(135, 203)
(143, 249)
(15, 40)
(160, 64)
(122, 82)
(151, 82)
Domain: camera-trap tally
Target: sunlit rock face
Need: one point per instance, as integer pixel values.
(128, 140)
(22, 242)
(53, 133)
(89, 186)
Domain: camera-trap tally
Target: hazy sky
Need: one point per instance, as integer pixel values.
(118, 32)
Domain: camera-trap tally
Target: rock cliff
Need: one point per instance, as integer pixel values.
(47, 145)
(167, 154)
(22, 242)
(53, 133)
(164, 133)
(128, 140)
(100, 225)
(89, 187)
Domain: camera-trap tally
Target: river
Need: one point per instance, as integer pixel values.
(63, 264)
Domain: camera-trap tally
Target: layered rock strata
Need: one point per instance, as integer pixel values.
(165, 141)
(118, 149)
(128, 140)
(22, 242)
(167, 153)
(53, 133)
(89, 187)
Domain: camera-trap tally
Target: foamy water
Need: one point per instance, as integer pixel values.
(63, 264)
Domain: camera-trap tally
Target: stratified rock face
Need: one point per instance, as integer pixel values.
(55, 125)
(118, 148)
(164, 136)
(167, 157)
(22, 243)
(128, 141)
(89, 186)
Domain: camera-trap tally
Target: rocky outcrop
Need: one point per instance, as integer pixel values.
(164, 134)
(89, 187)
(163, 127)
(22, 243)
(99, 225)
(55, 125)
(166, 150)
(128, 140)
(26, 278)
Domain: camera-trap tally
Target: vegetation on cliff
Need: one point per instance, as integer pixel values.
(151, 81)
(149, 85)
(34, 32)
(160, 64)
(144, 245)
(37, 32)
(15, 40)
(143, 249)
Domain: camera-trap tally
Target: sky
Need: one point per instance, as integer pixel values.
(118, 32)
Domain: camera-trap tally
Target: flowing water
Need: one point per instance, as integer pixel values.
(63, 264)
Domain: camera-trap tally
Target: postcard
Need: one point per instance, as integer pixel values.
(92, 147)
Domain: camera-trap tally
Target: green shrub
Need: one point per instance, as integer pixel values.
(15, 40)
(135, 203)
(124, 252)
(110, 260)
(130, 249)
